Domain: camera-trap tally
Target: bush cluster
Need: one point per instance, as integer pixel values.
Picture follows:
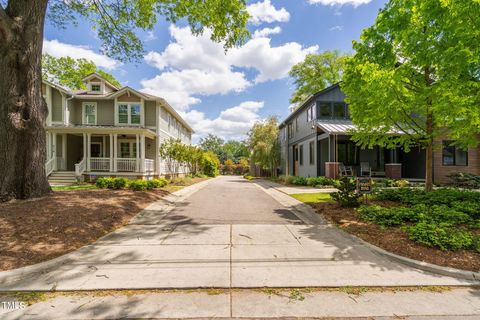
(318, 182)
(123, 183)
(443, 218)
(465, 180)
(347, 195)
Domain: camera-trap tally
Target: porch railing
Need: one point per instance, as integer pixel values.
(127, 164)
(80, 167)
(49, 166)
(149, 165)
(99, 164)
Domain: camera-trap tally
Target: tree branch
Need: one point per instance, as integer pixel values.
(5, 26)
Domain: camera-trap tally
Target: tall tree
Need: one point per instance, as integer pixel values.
(416, 71)
(315, 73)
(236, 150)
(69, 72)
(214, 144)
(264, 144)
(23, 110)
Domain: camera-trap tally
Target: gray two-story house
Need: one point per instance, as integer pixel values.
(315, 141)
(108, 131)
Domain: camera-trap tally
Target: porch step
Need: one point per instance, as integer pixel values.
(62, 178)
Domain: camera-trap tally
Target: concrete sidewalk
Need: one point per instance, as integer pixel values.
(387, 304)
(224, 233)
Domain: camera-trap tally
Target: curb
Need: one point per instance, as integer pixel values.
(9, 276)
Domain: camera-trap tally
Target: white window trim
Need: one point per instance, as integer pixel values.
(129, 115)
(131, 142)
(83, 112)
(102, 87)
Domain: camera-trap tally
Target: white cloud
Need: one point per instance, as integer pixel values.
(264, 11)
(193, 66)
(336, 28)
(150, 36)
(59, 49)
(232, 123)
(265, 32)
(354, 3)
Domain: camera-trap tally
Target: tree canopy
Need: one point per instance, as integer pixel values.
(264, 144)
(117, 21)
(315, 73)
(416, 72)
(69, 72)
(231, 150)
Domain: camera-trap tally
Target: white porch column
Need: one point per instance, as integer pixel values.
(85, 147)
(64, 151)
(157, 155)
(142, 154)
(111, 153)
(137, 156)
(89, 149)
(115, 137)
(104, 146)
(54, 150)
(49, 140)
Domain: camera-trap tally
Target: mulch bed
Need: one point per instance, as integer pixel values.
(396, 240)
(42, 229)
(32, 231)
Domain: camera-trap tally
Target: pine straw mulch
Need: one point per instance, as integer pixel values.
(36, 230)
(395, 240)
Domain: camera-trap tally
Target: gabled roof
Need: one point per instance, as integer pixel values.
(56, 86)
(307, 102)
(96, 75)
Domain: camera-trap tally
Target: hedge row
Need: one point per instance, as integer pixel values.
(123, 183)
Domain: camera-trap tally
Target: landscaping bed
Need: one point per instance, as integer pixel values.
(41, 229)
(441, 227)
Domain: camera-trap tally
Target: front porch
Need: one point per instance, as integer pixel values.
(94, 154)
(338, 155)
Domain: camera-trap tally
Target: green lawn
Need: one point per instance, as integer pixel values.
(312, 198)
(74, 187)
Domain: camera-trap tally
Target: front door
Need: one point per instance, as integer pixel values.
(295, 160)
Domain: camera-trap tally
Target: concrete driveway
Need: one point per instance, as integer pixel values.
(226, 232)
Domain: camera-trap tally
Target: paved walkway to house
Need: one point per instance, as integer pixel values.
(226, 232)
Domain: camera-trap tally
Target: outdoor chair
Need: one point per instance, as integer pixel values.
(365, 169)
(345, 171)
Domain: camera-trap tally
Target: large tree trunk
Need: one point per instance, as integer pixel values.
(429, 132)
(22, 108)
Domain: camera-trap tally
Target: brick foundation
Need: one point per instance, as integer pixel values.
(393, 170)
(332, 169)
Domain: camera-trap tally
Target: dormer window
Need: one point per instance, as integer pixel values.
(95, 87)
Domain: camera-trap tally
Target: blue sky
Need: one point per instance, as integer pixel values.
(220, 93)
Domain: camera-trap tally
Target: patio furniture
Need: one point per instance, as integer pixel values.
(345, 171)
(365, 169)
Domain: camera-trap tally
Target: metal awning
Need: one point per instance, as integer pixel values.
(336, 127)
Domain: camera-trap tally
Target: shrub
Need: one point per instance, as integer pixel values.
(449, 215)
(104, 182)
(391, 216)
(138, 185)
(249, 177)
(465, 180)
(442, 235)
(120, 183)
(347, 195)
(210, 164)
(300, 181)
(156, 183)
(320, 181)
(400, 183)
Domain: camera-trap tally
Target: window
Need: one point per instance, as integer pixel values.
(296, 125)
(311, 113)
(95, 87)
(453, 155)
(324, 110)
(89, 111)
(290, 131)
(301, 155)
(128, 149)
(129, 113)
(311, 152)
(339, 110)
